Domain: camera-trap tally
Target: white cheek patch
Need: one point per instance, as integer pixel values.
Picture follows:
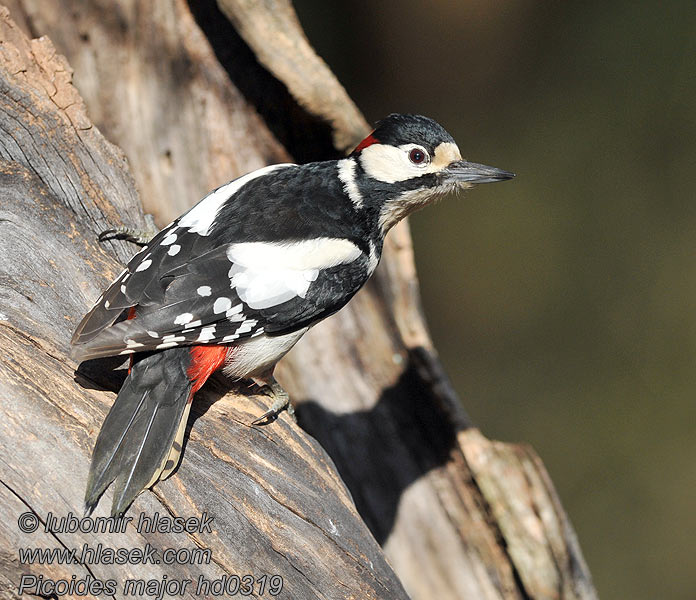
(201, 217)
(391, 164)
(388, 163)
(267, 274)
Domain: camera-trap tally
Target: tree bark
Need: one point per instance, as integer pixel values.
(195, 100)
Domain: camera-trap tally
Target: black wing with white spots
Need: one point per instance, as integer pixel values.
(189, 287)
(214, 300)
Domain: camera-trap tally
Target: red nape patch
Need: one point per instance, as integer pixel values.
(368, 141)
(205, 360)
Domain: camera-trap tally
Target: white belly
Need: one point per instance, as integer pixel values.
(257, 355)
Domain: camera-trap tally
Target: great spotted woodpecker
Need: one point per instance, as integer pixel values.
(239, 278)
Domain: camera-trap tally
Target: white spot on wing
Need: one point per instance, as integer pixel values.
(143, 266)
(204, 290)
(169, 341)
(163, 346)
(373, 259)
(245, 327)
(202, 216)
(183, 318)
(174, 250)
(207, 334)
(221, 305)
(172, 337)
(235, 313)
(170, 239)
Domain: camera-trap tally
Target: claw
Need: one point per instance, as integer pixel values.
(266, 418)
(281, 402)
(138, 236)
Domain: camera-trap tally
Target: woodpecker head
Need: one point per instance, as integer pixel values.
(410, 160)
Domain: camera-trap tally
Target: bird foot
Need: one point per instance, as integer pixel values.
(281, 402)
(136, 236)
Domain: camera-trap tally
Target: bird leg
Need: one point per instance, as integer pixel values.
(136, 236)
(281, 401)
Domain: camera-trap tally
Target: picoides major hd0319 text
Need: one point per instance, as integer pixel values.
(237, 280)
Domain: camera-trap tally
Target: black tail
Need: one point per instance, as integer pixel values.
(138, 440)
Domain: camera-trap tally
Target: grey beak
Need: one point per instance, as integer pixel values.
(463, 171)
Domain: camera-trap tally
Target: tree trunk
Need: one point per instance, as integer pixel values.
(197, 94)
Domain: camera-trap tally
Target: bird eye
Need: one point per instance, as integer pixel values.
(417, 156)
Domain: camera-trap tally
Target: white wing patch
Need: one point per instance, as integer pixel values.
(201, 217)
(265, 288)
(319, 253)
(266, 274)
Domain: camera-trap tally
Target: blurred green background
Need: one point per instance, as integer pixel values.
(563, 303)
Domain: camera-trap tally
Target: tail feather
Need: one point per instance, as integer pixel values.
(137, 435)
(172, 459)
